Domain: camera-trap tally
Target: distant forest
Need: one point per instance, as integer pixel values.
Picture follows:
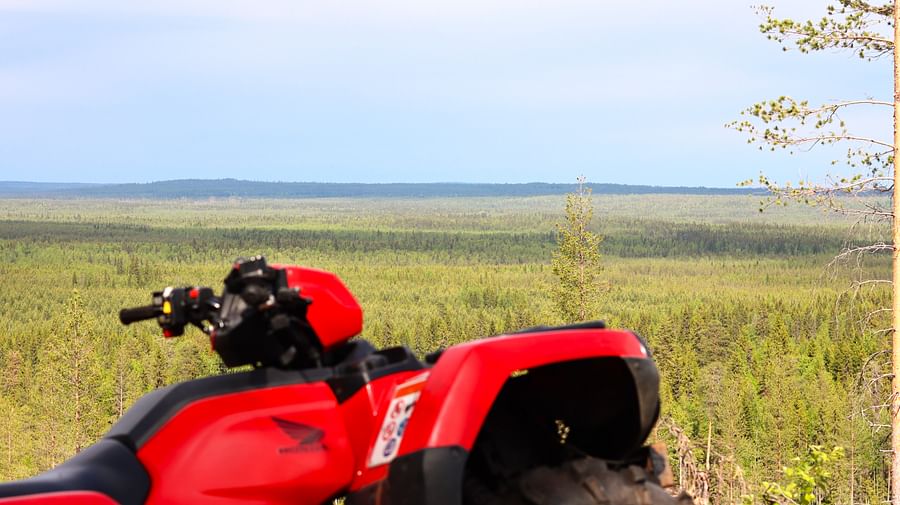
(225, 188)
(763, 348)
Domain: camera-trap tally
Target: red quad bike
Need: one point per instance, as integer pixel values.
(544, 416)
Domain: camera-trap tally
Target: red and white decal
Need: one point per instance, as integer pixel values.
(395, 420)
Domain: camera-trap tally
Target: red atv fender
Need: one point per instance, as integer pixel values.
(600, 382)
(463, 384)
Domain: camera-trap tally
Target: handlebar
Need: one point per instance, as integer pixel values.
(133, 315)
(259, 320)
(174, 308)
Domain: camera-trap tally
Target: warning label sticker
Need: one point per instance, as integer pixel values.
(399, 411)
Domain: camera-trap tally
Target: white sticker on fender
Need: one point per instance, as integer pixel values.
(394, 425)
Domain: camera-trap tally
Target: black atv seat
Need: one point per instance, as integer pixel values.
(107, 467)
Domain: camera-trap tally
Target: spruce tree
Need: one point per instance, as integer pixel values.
(576, 262)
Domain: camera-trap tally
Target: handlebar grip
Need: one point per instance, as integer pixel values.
(128, 316)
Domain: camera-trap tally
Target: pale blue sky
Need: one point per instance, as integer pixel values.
(411, 91)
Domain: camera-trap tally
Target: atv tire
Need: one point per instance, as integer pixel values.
(586, 481)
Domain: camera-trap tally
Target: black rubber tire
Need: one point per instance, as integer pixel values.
(585, 481)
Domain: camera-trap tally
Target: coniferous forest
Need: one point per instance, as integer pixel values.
(765, 344)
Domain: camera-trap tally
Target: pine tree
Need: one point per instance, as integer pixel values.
(70, 380)
(576, 262)
(11, 420)
(869, 31)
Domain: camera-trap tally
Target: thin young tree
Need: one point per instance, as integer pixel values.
(576, 262)
(869, 31)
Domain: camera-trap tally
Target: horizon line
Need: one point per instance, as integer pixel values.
(736, 186)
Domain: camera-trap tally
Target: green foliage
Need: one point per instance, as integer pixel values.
(786, 123)
(576, 262)
(624, 238)
(806, 481)
(791, 124)
(854, 25)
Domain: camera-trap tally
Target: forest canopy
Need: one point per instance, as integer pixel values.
(758, 341)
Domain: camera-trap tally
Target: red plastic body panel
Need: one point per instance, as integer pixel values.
(364, 412)
(61, 498)
(335, 314)
(295, 444)
(228, 449)
(280, 445)
(464, 382)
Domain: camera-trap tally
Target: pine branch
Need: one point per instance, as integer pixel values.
(848, 26)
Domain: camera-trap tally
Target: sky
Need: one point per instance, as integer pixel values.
(407, 91)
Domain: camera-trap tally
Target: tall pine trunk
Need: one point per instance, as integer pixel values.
(895, 235)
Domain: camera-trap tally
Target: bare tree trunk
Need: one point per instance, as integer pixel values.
(708, 442)
(852, 462)
(895, 304)
(120, 390)
(691, 478)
